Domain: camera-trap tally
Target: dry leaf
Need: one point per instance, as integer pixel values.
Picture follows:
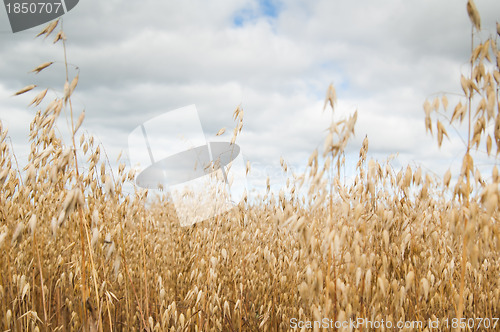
(60, 35)
(41, 67)
(25, 89)
(236, 112)
(428, 124)
(474, 14)
(66, 91)
(427, 108)
(331, 97)
(48, 29)
(73, 84)
(221, 131)
(441, 132)
(39, 97)
(465, 85)
(488, 144)
(435, 104)
(447, 178)
(467, 164)
(496, 73)
(444, 100)
(119, 155)
(457, 113)
(80, 121)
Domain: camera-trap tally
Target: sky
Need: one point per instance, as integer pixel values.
(274, 59)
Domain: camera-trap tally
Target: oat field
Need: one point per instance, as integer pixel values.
(398, 245)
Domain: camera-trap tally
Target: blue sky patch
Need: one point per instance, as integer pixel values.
(263, 8)
(269, 8)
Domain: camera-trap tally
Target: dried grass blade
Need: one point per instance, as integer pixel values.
(25, 89)
(474, 14)
(42, 67)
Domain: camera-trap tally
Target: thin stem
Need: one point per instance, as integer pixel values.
(83, 226)
(17, 164)
(41, 281)
(467, 198)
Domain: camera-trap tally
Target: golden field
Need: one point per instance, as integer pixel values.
(77, 253)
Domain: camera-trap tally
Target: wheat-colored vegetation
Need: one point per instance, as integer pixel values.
(398, 245)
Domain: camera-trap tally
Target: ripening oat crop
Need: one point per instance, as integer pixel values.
(77, 253)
